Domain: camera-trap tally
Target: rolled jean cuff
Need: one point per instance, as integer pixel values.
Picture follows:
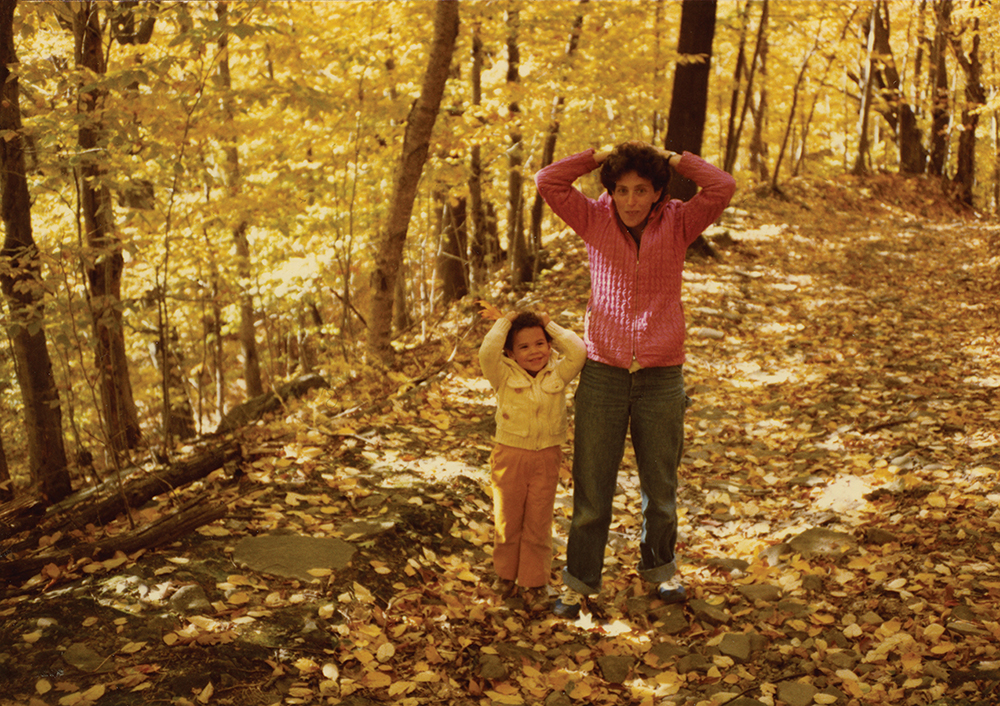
(579, 586)
(661, 573)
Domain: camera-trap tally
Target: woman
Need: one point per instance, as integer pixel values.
(633, 381)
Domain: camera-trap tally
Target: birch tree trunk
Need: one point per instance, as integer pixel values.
(416, 145)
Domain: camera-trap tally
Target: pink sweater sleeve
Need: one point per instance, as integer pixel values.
(555, 184)
(716, 188)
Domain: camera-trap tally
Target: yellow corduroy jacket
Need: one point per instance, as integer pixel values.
(531, 411)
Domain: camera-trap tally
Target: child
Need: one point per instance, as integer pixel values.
(530, 382)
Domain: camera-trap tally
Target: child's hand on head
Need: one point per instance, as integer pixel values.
(544, 317)
(510, 315)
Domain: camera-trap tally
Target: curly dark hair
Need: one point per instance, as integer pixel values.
(639, 158)
(525, 319)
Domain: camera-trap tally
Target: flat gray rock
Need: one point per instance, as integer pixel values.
(737, 646)
(615, 668)
(292, 555)
(821, 542)
(760, 592)
(85, 659)
(796, 693)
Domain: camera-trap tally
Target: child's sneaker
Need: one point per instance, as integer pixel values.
(568, 604)
(672, 591)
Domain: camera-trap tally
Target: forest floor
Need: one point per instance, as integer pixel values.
(840, 529)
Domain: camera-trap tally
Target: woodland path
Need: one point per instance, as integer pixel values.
(840, 531)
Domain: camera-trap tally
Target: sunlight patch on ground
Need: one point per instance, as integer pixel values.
(846, 492)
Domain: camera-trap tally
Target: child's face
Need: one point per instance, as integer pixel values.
(531, 349)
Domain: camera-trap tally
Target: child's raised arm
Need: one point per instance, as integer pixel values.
(491, 351)
(572, 348)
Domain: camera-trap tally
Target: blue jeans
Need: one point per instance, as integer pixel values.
(610, 402)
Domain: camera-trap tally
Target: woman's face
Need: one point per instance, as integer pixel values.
(634, 197)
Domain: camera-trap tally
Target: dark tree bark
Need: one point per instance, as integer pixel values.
(248, 337)
(521, 262)
(975, 98)
(940, 115)
(22, 286)
(416, 144)
(897, 112)
(106, 261)
(551, 136)
(6, 484)
(482, 252)
(451, 261)
(689, 99)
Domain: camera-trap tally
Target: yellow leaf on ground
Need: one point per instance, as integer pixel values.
(911, 661)
(377, 680)
(385, 652)
(401, 687)
(934, 631)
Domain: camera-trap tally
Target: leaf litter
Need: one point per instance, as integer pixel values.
(838, 510)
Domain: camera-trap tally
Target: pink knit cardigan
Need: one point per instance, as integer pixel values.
(635, 312)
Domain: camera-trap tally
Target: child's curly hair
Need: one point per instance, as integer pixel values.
(525, 319)
(639, 158)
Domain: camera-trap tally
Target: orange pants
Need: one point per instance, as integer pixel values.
(524, 495)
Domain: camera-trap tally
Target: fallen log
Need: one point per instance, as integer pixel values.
(140, 489)
(165, 530)
(254, 409)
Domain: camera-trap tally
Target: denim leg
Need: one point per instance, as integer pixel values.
(601, 413)
(658, 404)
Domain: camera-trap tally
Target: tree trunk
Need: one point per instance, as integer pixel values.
(551, 136)
(480, 259)
(451, 261)
(733, 143)
(732, 136)
(521, 262)
(897, 111)
(6, 483)
(861, 162)
(104, 273)
(22, 286)
(416, 144)
(791, 111)
(689, 100)
(940, 115)
(758, 106)
(248, 336)
(975, 98)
